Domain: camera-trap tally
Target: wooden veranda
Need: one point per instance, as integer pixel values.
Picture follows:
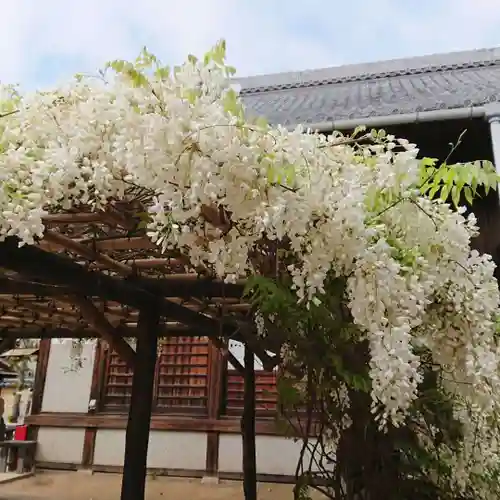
(97, 275)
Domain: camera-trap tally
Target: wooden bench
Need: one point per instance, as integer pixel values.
(18, 455)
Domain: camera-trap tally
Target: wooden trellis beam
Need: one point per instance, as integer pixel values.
(36, 332)
(109, 216)
(177, 285)
(87, 252)
(59, 270)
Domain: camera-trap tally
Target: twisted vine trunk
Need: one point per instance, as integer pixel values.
(364, 456)
(367, 462)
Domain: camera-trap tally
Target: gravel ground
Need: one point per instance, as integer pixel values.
(83, 486)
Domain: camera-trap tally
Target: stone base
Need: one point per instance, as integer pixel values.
(85, 471)
(210, 480)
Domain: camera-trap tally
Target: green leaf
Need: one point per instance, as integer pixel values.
(493, 180)
(162, 73)
(455, 195)
(218, 53)
(118, 65)
(449, 178)
(290, 175)
(433, 191)
(191, 95)
(445, 192)
(358, 130)
(232, 104)
(360, 383)
(138, 79)
(288, 394)
(145, 59)
(473, 184)
(428, 162)
(468, 195)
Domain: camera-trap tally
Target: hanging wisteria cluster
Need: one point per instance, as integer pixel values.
(339, 207)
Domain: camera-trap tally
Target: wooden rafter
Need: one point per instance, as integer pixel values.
(54, 269)
(132, 243)
(110, 216)
(87, 252)
(57, 270)
(124, 331)
(178, 285)
(107, 257)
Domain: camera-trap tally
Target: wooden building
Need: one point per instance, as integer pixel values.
(81, 415)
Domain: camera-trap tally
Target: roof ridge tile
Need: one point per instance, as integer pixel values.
(435, 63)
(371, 76)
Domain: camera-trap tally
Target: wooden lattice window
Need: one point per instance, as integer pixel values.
(182, 370)
(265, 386)
(118, 384)
(181, 378)
(265, 392)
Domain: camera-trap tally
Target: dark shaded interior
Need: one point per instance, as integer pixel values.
(435, 140)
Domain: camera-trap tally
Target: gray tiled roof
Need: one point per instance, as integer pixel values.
(441, 81)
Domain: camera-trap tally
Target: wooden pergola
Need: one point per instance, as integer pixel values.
(97, 275)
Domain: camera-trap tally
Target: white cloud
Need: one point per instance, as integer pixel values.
(42, 41)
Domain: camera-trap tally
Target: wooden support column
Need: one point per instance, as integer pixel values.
(248, 428)
(42, 364)
(139, 419)
(214, 407)
(96, 388)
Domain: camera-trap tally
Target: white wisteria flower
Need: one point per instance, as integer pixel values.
(183, 137)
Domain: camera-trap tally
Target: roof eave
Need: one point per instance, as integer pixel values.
(397, 119)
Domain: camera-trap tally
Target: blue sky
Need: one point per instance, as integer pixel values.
(43, 42)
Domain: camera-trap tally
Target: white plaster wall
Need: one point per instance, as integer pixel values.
(167, 449)
(69, 391)
(66, 389)
(57, 444)
(275, 454)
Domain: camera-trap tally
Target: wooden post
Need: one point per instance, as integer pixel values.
(96, 389)
(214, 407)
(248, 428)
(139, 418)
(39, 385)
